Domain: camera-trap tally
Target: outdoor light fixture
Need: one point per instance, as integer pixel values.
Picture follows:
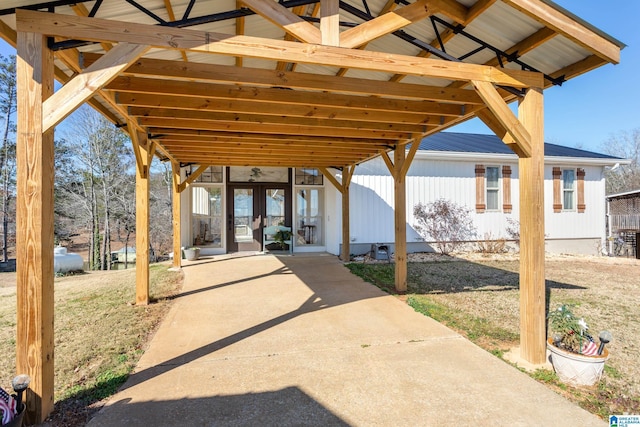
(605, 338)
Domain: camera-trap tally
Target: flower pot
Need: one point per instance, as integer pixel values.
(192, 254)
(577, 369)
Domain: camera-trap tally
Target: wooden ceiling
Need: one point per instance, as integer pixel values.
(320, 86)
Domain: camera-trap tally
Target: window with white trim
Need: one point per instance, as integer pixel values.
(492, 175)
(568, 189)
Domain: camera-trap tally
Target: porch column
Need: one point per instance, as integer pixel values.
(400, 218)
(347, 174)
(142, 225)
(532, 279)
(177, 252)
(34, 225)
(343, 188)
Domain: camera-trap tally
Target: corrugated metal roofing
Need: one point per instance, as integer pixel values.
(491, 144)
(206, 119)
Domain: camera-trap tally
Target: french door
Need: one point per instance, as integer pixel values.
(251, 207)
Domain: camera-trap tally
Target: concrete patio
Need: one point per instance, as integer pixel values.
(260, 340)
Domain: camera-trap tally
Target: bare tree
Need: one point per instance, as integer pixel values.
(103, 162)
(161, 210)
(7, 150)
(625, 177)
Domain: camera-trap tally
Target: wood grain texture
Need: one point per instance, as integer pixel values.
(34, 226)
(532, 277)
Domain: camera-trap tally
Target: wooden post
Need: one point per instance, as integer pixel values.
(532, 281)
(330, 22)
(347, 173)
(177, 252)
(400, 218)
(34, 226)
(142, 225)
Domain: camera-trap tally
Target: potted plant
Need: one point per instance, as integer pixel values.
(192, 254)
(576, 358)
(281, 237)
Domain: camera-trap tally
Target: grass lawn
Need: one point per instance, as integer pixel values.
(99, 335)
(479, 298)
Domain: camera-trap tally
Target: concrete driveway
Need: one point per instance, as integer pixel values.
(297, 340)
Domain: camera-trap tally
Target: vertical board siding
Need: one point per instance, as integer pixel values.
(429, 180)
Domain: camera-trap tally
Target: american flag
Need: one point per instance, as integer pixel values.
(590, 348)
(7, 406)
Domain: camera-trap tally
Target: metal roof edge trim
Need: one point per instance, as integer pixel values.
(457, 155)
(626, 193)
(588, 25)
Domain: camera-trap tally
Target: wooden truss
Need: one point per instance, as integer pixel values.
(215, 113)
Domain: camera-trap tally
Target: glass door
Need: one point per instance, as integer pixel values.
(243, 222)
(253, 207)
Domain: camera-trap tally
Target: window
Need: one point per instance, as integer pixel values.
(206, 216)
(309, 206)
(258, 174)
(488, 188)
(309, 176)
(568, 189)
(493, 189)
(210, 175)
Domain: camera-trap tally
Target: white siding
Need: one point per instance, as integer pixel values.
(372, 201)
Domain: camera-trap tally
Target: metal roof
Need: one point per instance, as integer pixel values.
(266, 102)
(491, 144)
(626, 194)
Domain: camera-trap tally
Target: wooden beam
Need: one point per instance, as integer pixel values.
(84, 86)
(294, 80)
(240, 24)
(532, 277)
(504, 115)
(415, 144)
(569, 27)
(142, 222)
(330, 22)
(172, 17)
(285, 19)
(212, 105)
(385, 24)
(204, 135)
(137, 138)
(34, 226)
(271, 119)
(400, 219)
(347, 174)
(389, 163)
(278, 96)
(176, 204)
(191, 178)
(268, 148)
(271, 128)
(183, 136)
(94, 29)
(332, 179)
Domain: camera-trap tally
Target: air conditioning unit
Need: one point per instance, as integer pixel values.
(380, 251)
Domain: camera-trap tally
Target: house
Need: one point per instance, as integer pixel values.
(623, 223)
(227, 207)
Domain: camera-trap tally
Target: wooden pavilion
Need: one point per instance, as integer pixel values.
(320, 84)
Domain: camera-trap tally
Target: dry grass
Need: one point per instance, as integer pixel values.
(479, 296)
(99, 335)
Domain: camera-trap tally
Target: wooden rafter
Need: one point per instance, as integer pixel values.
(293, 80)
(207, 42)
(570, 28)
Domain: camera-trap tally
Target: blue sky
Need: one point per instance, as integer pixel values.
(589, 109)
